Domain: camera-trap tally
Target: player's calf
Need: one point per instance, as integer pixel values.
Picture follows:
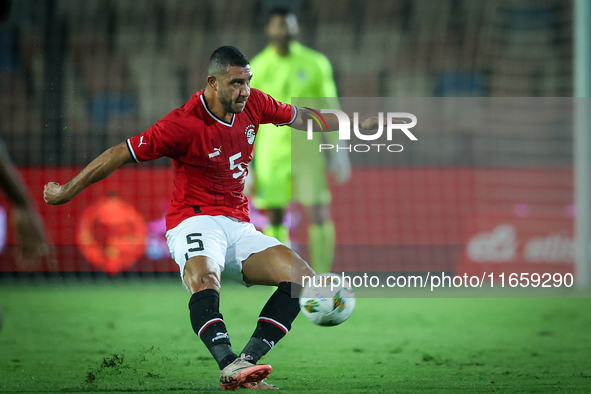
(208, 324)
(274, 321)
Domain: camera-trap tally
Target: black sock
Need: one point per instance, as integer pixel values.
(208, 324)
(274, 321)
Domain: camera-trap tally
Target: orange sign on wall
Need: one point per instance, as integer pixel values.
(111, 235)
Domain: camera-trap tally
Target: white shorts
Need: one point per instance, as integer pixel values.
(227, 240)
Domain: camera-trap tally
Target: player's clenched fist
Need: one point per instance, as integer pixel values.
(53, 194)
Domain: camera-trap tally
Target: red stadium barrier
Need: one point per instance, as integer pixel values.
(387, 219)
(147, 189)
(501, 244)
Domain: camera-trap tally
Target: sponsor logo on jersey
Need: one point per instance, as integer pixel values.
(216, 152)
(250, 134)
(142, 141)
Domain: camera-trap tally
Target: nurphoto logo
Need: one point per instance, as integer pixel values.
(393, 122)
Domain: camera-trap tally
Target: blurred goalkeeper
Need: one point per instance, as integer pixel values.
(286, 69)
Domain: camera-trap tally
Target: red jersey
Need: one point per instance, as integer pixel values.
(209, 156)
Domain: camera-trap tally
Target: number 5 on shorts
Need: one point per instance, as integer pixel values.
(192, 239)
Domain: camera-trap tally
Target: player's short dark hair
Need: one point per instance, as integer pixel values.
(223, 57)
(282, 11)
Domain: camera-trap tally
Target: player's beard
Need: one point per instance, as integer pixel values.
(230, 105)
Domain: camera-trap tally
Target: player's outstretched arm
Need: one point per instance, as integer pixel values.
(97, 170)
(300, 122)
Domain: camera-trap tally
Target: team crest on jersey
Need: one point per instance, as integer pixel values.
(250, 135)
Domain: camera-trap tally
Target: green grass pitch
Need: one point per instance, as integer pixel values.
(136, 337)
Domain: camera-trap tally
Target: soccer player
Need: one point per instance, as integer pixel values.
(210, 142)
(286, 69)
(31, 241)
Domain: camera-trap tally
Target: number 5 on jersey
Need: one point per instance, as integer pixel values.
(240, 166)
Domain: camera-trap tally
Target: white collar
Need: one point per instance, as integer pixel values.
(215, 117)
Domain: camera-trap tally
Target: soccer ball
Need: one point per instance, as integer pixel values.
(325, 301)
